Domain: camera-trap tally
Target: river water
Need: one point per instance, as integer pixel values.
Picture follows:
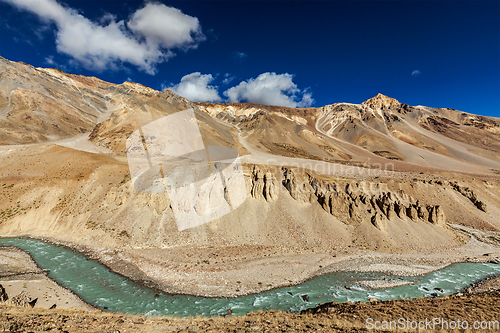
(99, 286)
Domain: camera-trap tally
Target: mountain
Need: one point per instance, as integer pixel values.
(408, 136)
(42, 105)
(325, 187)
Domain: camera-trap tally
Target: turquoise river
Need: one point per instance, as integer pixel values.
(99, 286)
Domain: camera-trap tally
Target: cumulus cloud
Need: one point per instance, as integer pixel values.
(306, 100)
(196, 88)
(416, 72)
(146, 40)
(166, 26)
(270, 89)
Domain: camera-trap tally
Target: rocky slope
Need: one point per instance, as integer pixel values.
(38, 105)
(321, 184)
(380, 130)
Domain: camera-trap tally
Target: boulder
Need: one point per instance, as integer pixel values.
(22, 299)
(480, 205)
(3, 294)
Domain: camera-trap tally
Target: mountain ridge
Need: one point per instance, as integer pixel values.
(43, 105)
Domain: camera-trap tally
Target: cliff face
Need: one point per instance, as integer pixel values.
(354, 201)
(93, 201)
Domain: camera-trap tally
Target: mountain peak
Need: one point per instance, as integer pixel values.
(381, 102)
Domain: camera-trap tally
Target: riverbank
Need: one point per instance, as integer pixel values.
(243, 270)
(100, 287)
(473, 306)
(328, 317)
(23, 281)
(234, 271)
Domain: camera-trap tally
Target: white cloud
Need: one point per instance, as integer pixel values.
(166, 26)
(195, 87)
(416, 72)
(50, 60)
(306, 100)
(270, 89)
(239, 56)
(146, 40)
(228, 78)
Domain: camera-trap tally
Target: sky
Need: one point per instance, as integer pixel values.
(292, 53)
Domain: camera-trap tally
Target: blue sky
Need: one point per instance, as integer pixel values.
(296, 53)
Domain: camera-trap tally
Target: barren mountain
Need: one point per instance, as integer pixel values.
(325, 187)
(383, 127)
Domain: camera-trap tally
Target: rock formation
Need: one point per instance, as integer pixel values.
(436, 215)
(379, 222)
(469, 194)
(22, 299)
(350, 202)
(264, 184)
(3, 294)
